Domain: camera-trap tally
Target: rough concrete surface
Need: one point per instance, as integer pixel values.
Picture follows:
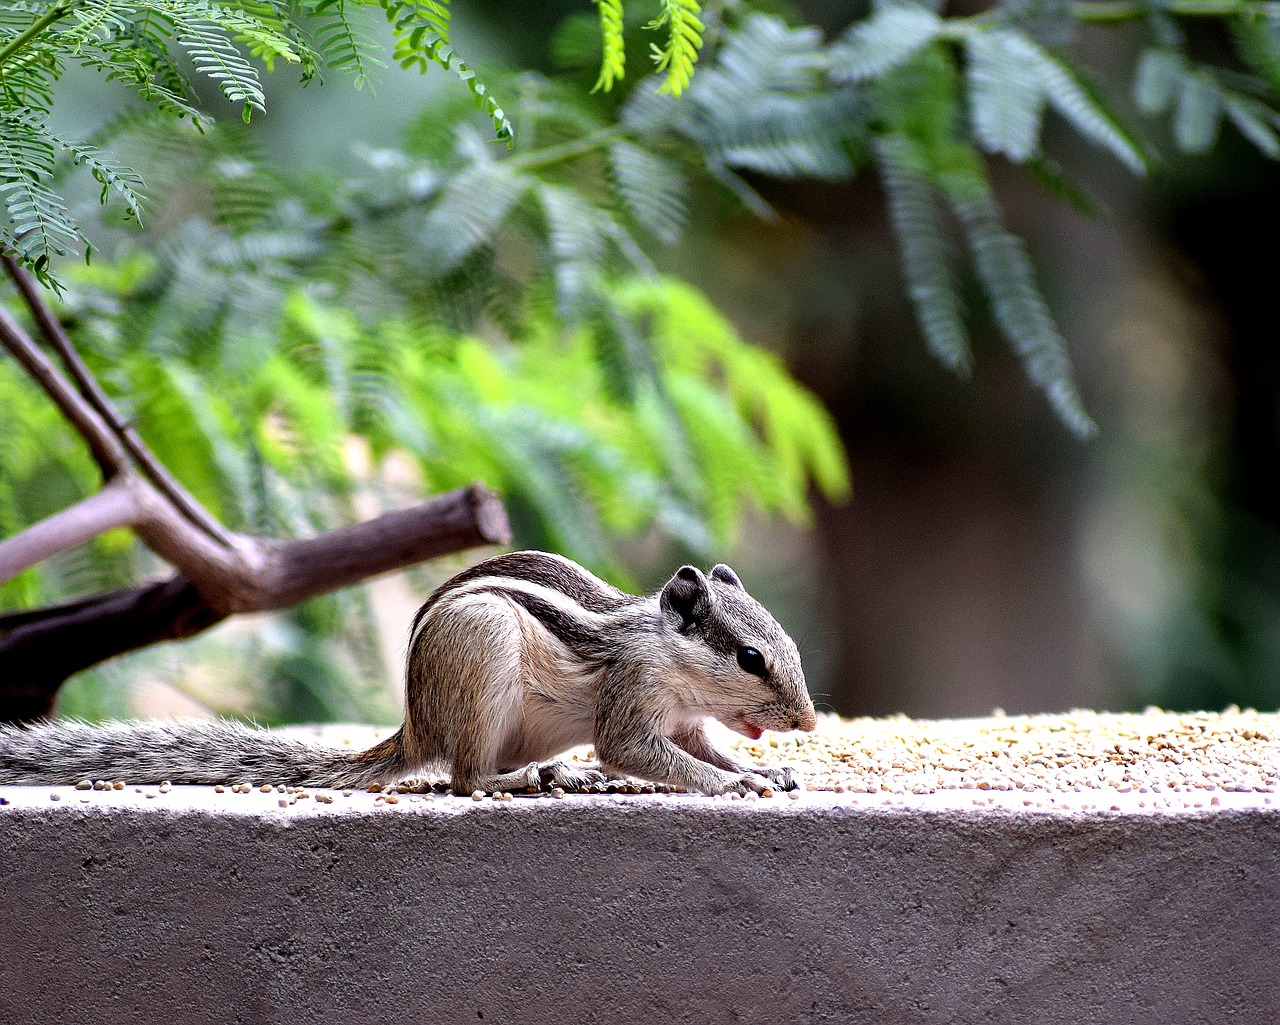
(961, 905)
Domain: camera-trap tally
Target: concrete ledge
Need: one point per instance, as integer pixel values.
(961, 905)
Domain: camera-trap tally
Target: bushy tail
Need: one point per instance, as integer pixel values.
(192, 751)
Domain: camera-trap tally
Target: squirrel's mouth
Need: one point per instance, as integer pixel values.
(748, 729)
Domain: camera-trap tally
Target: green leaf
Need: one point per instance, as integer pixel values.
(916, 217)
(1086, 110)
(1159, 76)
(653, 189)
(1050, 22)
(1256, 31)
(469, 213)
(884, 41)
(1053, 180)
(1007, 276)
(613, 63)
(38, 227)
(684, 39)
(345, 42)
(422, 35)
(214, 55)
(1195, 125)
(1006, 93)
(1255, 122)
(577, 247)
(115, 179)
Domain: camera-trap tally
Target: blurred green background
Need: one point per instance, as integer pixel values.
(986, 557)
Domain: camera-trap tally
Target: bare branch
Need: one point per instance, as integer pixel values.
(116, 505)
(92, 392)
(39, 654)
(222, 570)
(106, 449)
(449, 523)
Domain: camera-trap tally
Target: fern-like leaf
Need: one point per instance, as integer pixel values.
(115, 179)
(1195, 125)
(1159, 77)
(1020, 309)
(97, 22)
(1081, 105)
(765, 105)
(469, 213)
(1006, 93)
(653, 189)
(882, 42)
(613, 63)
(1255, 121)
(577, 247)
(914, 210)
(422, 36)
(684, 40)
(213, 53)
(38, 227)
(346, 44)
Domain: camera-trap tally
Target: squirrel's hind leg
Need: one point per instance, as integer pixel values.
(468, 780)
(473, 690)
(569, 776)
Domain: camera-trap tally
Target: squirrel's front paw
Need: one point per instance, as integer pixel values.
(784, 777)
(750, 782)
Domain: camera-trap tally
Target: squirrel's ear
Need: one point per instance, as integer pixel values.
(686, 598)
(725, 575)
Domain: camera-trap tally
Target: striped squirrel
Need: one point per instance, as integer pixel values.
(510, 663)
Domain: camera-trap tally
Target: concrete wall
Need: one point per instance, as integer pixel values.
(192, 907)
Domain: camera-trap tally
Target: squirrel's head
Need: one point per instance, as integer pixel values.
(744, 667)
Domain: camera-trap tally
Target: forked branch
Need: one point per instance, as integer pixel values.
(92, 393)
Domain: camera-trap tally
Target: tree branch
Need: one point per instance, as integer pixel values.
(39, 654)
(222, 570)
(116, 505)
(40, 649)
(450, 523)
(106, 450)
(92, 393)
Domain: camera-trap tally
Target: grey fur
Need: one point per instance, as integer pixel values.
(510, 663)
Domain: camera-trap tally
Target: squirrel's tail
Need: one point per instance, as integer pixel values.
(192, 751)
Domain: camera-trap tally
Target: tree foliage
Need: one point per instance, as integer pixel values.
(920, 95)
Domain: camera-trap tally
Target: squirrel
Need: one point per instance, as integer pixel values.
(510, 663)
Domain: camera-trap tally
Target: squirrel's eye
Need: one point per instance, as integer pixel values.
(752, 662)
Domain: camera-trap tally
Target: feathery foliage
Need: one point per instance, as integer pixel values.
(613, 65)
(913, 208)
(684, 38)
(153, 46)
(326, 311)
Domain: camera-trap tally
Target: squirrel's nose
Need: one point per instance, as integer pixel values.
(806, 721)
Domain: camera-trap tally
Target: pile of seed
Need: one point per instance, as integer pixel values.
(1081, 752)
(1152, 752)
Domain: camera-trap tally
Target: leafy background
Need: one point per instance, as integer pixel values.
(339, 308)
